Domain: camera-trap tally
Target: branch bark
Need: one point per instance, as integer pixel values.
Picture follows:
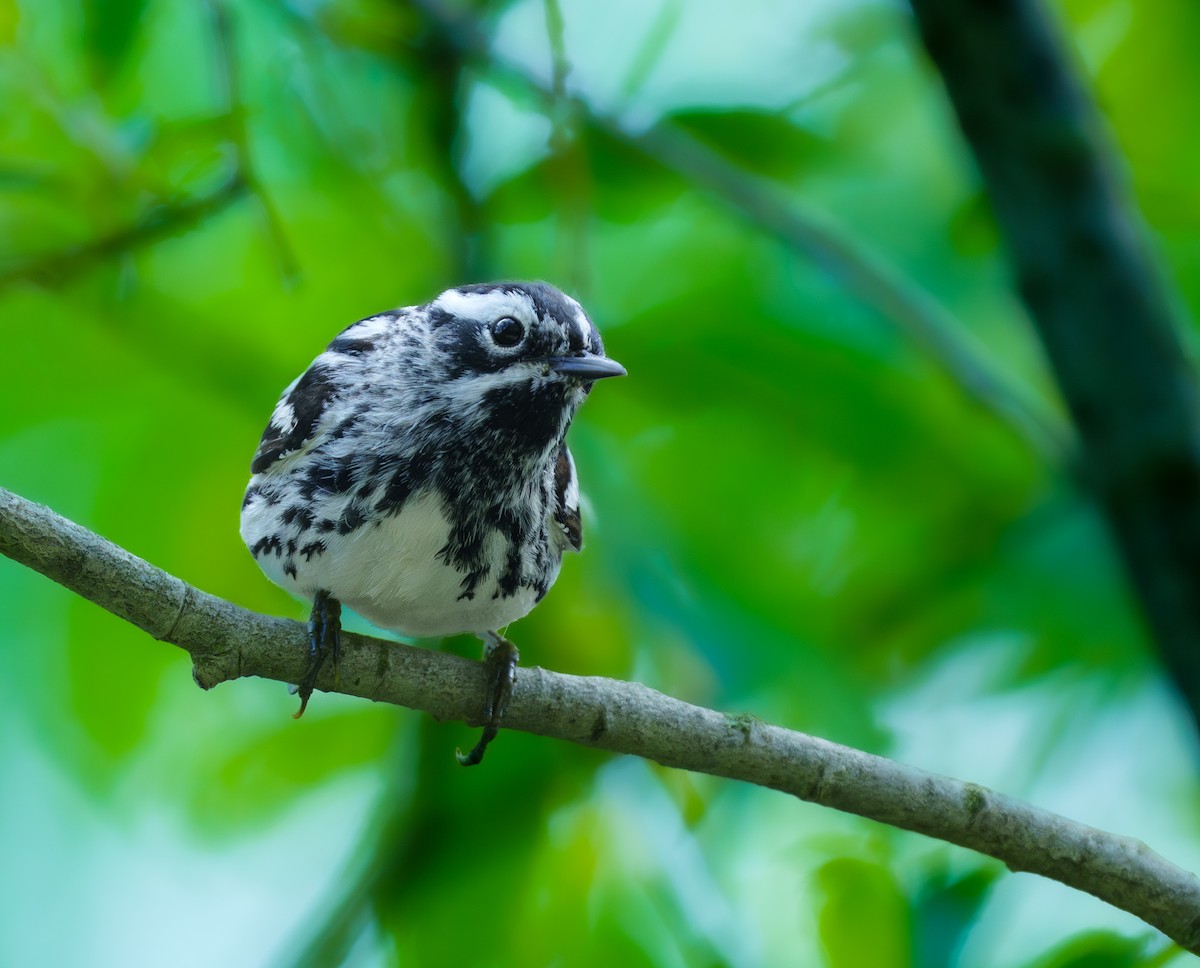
(227, 642)
(1105, 316)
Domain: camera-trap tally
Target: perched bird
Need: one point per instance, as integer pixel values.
(417, 471)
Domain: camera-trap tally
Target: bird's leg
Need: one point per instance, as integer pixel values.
(500, 658)
(324, 640)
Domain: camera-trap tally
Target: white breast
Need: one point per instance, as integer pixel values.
(389, 572)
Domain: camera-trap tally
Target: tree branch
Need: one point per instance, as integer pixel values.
(229, 80)
(227, 642)
(160, 222)
(170, 218)
(1105, 315)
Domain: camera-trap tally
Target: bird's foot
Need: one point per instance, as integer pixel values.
(324, 641)
(500, 658)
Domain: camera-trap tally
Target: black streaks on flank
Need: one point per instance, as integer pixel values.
(343, 428)
(420, 466)
(335, 476)
(407, 477)
(508, 523)
(463, 551)
(313, 548)
(313, 392)
(289, 569)
(267, 495)
(469, 583)
(510, 578)
(268, 545)
(298, 514)
(398, 490)
(352, 518)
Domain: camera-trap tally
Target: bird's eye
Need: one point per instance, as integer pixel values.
(507, 332)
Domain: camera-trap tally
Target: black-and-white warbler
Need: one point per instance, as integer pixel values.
(417, 471)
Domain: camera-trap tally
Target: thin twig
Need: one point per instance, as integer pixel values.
(165, 220)
(227, 642)
(900, 300)
(229, 78)
(560, 65)
(442, 101)
(158, 223)
(926, 322)
(568, 169)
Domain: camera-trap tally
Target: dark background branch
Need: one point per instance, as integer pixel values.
(160, 222)
(1104, 314)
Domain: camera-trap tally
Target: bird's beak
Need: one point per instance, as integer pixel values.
(586, 366)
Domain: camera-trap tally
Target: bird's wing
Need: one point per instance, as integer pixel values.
(296, 416)
(566, 498)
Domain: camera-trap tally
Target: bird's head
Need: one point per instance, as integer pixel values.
(520, 356)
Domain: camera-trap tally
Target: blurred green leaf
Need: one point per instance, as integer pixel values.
(865, 920)
(945, 908)
(9, 18)
(110, 29)
(763, 143)
(273, 767)
(973, 227)
(1096, 949)
(19, 178)
(114, 679)
(629, 183)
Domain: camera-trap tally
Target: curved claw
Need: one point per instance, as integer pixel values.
(324, 641)
(500, 659)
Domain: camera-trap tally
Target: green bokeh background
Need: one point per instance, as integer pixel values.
(794, 508)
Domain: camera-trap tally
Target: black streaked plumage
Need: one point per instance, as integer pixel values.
(417, 471)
